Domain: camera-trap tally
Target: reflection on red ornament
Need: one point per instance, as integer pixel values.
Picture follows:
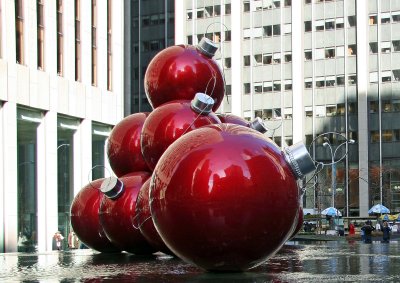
(145, 222)
(216, 194)
(170, 121)
(85, 218)
(123, 148)
(233, 119)
(180, 71)
(117, 212)
(298, 222)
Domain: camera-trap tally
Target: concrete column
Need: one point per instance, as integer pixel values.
(297, 70)
(180, 21)
(9, 179)
(362, 86)
(47, 181)
(236, 37)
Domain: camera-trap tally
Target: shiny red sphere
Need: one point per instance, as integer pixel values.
(179, 72)
(233, 119)
(123, 147)
(224, 198)
(145, 222)
(166, 124)
(116, 216)
(85, 218)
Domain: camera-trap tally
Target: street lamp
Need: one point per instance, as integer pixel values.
(328, 144)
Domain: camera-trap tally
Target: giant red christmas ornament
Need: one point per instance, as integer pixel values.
(123, 147)
(117, 212)
(144, 221)
(85, 218)
(225, 198)
(170, 121)
(181, 71)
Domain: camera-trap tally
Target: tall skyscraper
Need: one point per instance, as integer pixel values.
(149, 28)
(311, 67)
(61, 91)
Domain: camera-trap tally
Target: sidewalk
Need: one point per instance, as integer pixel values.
(323, 237)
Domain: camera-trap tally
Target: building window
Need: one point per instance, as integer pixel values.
(396, 75)
(276, 58)
(308, 83)
(339, 23)
(396, 105)
(320, 82)
(330, 52)
(288, 57)
(189, 15)
(352, 50)
(276, 30)
(288, 113)
(246, 6)
(307, 26)
(386, 76)
(385, 47)
(109, 45)
(373, 19)
(330, 24)
(60, 39)
(246, 60)
(94, 43)
(288, 84)
(267, 59)
(385, 18)
(190, 40)
(352, 21)
(258, 87)
(352, 108)
(330, 81)
(373, 106)
(341, 109)
(227, 9)
(267, 30)
(258, 59)
(228, 62)
(247, 88)
(373, 77)
(40, 34)
(374, 136)
(386, 106)
(373, 47)
(78, 52)
(19, 31)
(396, 16)
(309, 111)
(277, 85)
(308, 55)
(228, 35)
(331, 110)
(228, 89)
(319, 25)
(352, 79)
(340, 80)
(267, 86)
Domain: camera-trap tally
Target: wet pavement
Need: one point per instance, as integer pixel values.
(333, 261)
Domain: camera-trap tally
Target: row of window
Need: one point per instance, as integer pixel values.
(207, 12)
(386, 46)
(330, 81)
(329, 24)
(266, 31)
(330, 110)
(266, 59)
(20, 38)
(214, 36)
(259, 5)
(153, 20)
(318, 1)
(267, 86)
(386, 18)
(330, 52)
(386, 106)
(386, 76)
(387, 136)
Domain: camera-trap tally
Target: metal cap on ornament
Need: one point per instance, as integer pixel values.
(258, 125)
(202, 103)
(299, 159)
(207, 47)
(112, 187)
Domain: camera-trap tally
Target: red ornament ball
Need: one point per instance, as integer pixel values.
(85, 218)
(117, 212)
(123, 147)
(181, 71)
(166, 124)
(233, 119)
(145, 222)
(298, 222)
(224, 198)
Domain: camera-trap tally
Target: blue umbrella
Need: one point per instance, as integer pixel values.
(378, 208)
(331, 211)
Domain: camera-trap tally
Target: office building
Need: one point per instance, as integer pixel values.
(311, 67)
(61, 91)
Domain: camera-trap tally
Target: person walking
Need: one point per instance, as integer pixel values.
(352, 229)
(368, 228)
(73, 241)
(386, 232)
(57, 239)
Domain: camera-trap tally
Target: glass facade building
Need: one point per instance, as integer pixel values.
(311, 67)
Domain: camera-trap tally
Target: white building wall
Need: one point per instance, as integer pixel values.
(45, 91)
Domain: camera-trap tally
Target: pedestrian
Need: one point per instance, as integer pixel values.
(57, 239)
(352, 230)
(368, 228)
(386, 232)
(73, 241)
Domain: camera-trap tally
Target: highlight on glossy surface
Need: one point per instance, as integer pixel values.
(144, 222)
(123, 147)
(85, 220)
(166, 124)
(233, 119)
(181, 71)
(215, 196)
(116, 216)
